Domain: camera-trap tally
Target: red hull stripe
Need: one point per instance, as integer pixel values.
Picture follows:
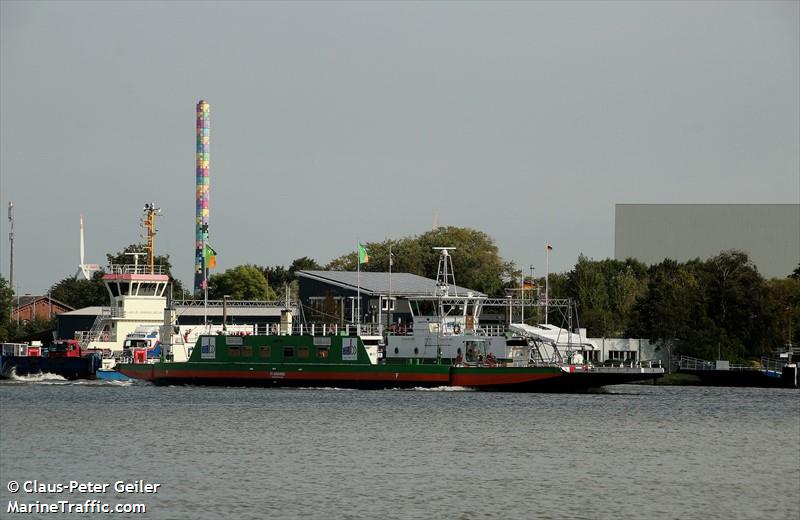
(304, 375)
(496, 378)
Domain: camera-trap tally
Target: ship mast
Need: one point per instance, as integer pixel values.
(149, 222)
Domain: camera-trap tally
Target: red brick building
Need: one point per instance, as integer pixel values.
(25, 308)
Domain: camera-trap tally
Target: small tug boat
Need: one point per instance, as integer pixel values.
(62, 358)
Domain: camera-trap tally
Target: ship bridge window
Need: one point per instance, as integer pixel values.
(288, 352)
(476, 350)
(264, 351)
(322, 352)
(302, 352)
(234, 352)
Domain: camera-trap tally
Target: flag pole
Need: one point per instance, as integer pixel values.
(205, 286)
(548, 248)
(358, 287)
(389, 303)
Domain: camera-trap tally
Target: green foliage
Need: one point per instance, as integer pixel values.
(6, 303)
(79, 293)
(667, 309)
(605, 292)
(785, 296)
(278, 276)
(718, 308)
(476, 261)
(303, 263)
(25, 332)
(243, 282)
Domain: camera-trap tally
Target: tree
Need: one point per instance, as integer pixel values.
(785, 297)
(243, 282)
(605, 292)
(736, 301)
(277, 276)
(6, 304)
(665, 311)
(38, 328)
(476, 261)
(79, 293)
(303, 263)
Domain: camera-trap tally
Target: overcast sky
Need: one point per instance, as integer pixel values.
(337, 121)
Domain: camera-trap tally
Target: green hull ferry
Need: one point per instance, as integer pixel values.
(347, 362)
(324, 361)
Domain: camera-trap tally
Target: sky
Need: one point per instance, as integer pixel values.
(338, 122)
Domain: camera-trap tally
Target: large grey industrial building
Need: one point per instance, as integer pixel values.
(769, 233)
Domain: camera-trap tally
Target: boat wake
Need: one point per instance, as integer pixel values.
(103, 382)
(45, 378)
(436, 389)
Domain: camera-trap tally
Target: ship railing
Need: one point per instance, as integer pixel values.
(136, 269)
(84, 337)
(278, 304)
(652, 363)
(320, 329)
(772, 365)
(491, 330)
(691, 363)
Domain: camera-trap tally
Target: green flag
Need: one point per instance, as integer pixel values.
(211, 257)
(363, 256)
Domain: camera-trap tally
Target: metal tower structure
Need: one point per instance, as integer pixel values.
(445, 277)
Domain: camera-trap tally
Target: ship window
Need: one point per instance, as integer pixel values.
(264, 352)
(416, 350)
(247, 351)
(396, 350)
(322, 352)
(234, 352)
(288, 352)
(459, 350)
(302, 352)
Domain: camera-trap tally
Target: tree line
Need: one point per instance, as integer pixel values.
(719, 308)
(708, 308)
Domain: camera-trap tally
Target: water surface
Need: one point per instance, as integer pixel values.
(632, 452)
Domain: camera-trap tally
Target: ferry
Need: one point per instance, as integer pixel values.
(326, 361)
(445, 346)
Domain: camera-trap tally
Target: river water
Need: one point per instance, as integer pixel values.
(630, 452)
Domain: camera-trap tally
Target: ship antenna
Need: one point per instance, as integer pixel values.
(150, 211)
(445, 277)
